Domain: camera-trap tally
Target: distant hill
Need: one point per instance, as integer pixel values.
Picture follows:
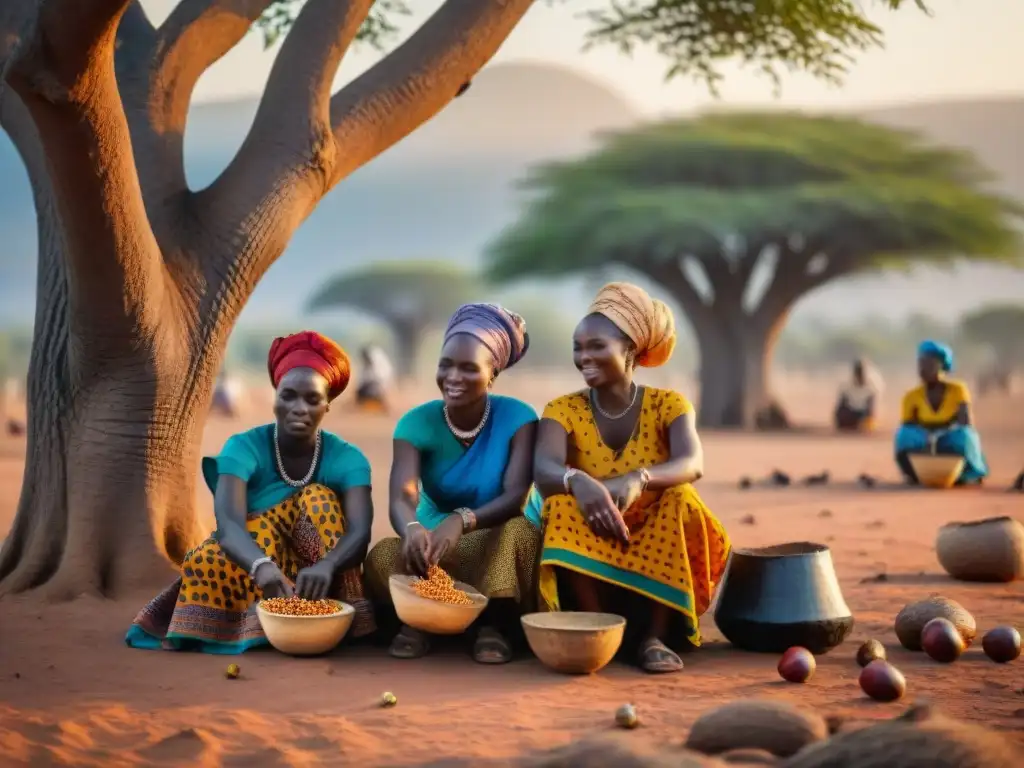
(451, 187)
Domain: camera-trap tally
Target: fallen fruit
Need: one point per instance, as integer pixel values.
(232, 672)
(797, 665)
(882, 681)
(625, 717)
(869, 651)
(388, 699)
(1001, 644)
(941, 640)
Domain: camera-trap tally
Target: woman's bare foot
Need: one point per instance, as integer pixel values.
(409, 643)
(658, 659)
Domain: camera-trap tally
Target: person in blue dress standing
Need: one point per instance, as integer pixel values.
(460, 476)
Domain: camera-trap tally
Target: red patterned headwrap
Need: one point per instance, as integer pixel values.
(309, 349)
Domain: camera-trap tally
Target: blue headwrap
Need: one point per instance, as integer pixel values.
(941, 352)
(503, 332)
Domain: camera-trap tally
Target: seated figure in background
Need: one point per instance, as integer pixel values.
(459, 478)
(858, 400)
(293, 510)
(936, 417)
(624, 529)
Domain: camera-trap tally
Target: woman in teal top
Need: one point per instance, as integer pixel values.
(293, 511)
(461, 471)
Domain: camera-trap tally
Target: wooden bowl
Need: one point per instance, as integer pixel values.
(574, 642)
(306, 635)
(936, 470)
(431, 616)
(983, 550)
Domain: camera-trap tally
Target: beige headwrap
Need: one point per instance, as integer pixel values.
(646, 321)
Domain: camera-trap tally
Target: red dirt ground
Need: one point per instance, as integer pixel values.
(72, 693)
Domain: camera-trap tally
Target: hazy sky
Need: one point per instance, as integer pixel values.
(968, 47)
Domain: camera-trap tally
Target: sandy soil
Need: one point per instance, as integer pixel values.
(72, 693)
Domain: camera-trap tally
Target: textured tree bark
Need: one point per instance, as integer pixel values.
(140, 279)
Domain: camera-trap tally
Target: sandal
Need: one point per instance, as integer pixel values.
(409, 643)
(491, 647)
(658, 659)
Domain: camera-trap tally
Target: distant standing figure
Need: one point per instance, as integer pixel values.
(377, 379)
(858, 398)
(939, 411)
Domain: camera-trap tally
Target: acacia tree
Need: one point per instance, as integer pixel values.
(412, 298)
(701, 207)
(140, 277)
(1000, 328)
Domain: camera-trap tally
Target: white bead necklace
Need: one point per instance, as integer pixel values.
(613, 417)
(312, 466)
(471, 434)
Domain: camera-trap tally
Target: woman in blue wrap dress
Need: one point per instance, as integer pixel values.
(939, 411)
(461, 472)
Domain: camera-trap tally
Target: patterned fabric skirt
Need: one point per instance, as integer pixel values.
(499, 562)
(211, 607)
(676, 554)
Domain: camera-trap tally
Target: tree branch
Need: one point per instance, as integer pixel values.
(65, 78)
(419, 78)
(195, 36)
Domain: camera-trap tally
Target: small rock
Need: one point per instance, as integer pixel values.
(748, 520)
(825, 513)
(745, 483)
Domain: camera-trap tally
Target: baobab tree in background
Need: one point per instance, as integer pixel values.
(998, 329)
(141, 278)
(411, 298)
(699, 206)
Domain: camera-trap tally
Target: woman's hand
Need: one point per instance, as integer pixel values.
(444, 539)
(415, 545)
(314, 582)
(625, 489)
(599, 508)
(272, 582)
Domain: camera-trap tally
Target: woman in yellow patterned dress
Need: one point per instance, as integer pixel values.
(293, 510)
(615, 464)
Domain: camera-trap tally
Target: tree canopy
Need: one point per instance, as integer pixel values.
(698, 205)
(693, 37)
(412, 298)
(865, 193)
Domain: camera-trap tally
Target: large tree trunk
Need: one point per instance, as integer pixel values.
(140, 279)
(737, 341)
(735, 355)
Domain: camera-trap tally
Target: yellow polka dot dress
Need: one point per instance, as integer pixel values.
(677, 550)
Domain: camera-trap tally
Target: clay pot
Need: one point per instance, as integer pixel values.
(774, 598)
(984, 550)
(774, 727)
(911, 620)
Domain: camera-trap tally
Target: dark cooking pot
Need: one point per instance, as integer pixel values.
(773, 598)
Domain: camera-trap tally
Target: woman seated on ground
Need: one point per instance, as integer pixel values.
(855, 411)
(293, 511)
(461, 471)
(623, 526)
(937, 415)
(377, 380)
